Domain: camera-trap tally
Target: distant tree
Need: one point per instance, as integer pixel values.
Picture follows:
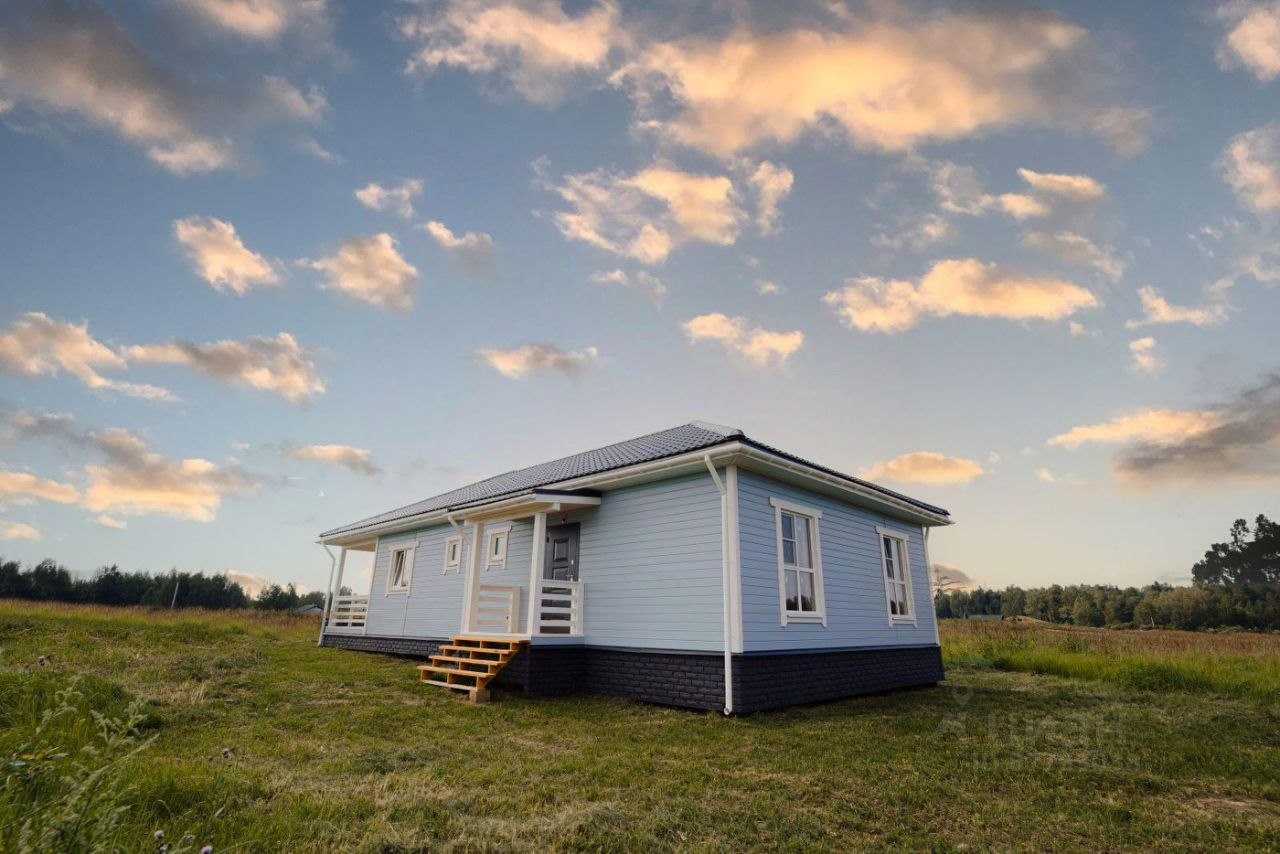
(1085, 611)
(1248, 557)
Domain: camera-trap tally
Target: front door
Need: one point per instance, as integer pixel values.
(561, 563)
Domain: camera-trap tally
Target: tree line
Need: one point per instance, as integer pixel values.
(1236, 584)
(109, 585)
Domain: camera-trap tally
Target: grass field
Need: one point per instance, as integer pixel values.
(253, 739)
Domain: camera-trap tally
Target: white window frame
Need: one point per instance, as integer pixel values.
(820, 600)
(498, 561)
(408, 551)
(904, 558)
(454, 565)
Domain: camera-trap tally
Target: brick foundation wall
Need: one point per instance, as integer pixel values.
(693, 680)
(769, 681)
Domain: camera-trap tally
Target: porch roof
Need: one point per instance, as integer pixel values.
(694, 436)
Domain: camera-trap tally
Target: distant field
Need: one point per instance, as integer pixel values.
(1040, 738)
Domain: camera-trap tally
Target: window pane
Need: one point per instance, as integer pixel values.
(804, 550)
(793, 597)
(890, 558)
(789, 552)
(808, 601)
(893, 606)
(788, 526)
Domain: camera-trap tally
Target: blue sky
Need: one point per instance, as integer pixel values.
(267, 266)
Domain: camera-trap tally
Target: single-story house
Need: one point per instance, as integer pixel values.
(693, 567)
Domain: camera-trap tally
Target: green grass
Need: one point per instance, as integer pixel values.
(339, 750)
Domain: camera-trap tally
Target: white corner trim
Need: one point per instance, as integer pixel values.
(928, 577)
(819, 592)
(734, 531)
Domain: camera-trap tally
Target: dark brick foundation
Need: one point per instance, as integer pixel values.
(693, 680)
(768, 681)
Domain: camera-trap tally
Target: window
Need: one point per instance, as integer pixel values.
(452, 554)
(897, 576)
(497, 549)
(799, 563)
(400, 572)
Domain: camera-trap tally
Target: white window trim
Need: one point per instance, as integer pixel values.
(499, 562)
(456, 566)
(813, 514)
(408, 564)
(901, 536)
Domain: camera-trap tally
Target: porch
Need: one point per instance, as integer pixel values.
(547, 608)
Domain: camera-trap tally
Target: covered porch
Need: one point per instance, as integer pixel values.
(545, 606)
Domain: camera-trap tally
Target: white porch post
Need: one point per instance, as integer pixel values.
(328, 595)
(472, 591)
(535, 571)
(336, 589)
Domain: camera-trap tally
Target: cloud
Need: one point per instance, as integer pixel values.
(925, 467)
(1153, 426)
(889, 80)
(646, 215)
(36, 345)
(136, 481)
(1076, 249)
(220, 257)
(475, 251)
(133, 480)
(1046, 476)
(1146, 358)
(265, 20)
(915, 234)
(250, 583)
(535, 46)
(755, 344)
(1252, 39)
(19, 531)
(112, 522)
(1156, 310)
(1076, 188)
(78, 60)
(314, 149)
(959, 190)
(518, 362)
(277, 365)
(772, 184)
(964, 286)
(1250, 164)
(950, 577)
(20, 486)
(1242, 444)
(1079, 330)
(766, 288)
(358, 460)
(370, 270)
(645, 284)
(397, 199)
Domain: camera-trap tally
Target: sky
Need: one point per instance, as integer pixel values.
(271, 266)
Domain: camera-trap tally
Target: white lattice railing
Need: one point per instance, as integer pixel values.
(559, 607)
(348, 613)
(495, 609)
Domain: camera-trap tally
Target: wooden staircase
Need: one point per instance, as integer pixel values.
(468, 663)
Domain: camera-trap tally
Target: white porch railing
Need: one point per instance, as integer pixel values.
(348, 614)
(559, 607)
(495, 609)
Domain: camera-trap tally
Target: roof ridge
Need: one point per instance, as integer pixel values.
(714, 427)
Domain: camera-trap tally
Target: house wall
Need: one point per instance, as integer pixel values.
(432, 608)
(650, 562)
(856, 606)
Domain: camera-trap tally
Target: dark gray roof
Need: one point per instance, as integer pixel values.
(693, 436)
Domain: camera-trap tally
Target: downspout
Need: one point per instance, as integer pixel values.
(724, 583)
(328, 594)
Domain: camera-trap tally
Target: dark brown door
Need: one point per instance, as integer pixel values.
(561, 562)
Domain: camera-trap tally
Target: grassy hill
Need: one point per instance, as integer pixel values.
(251, 738)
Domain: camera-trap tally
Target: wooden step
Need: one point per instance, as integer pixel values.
(475, 649)
(488, 665)
(453, 671)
